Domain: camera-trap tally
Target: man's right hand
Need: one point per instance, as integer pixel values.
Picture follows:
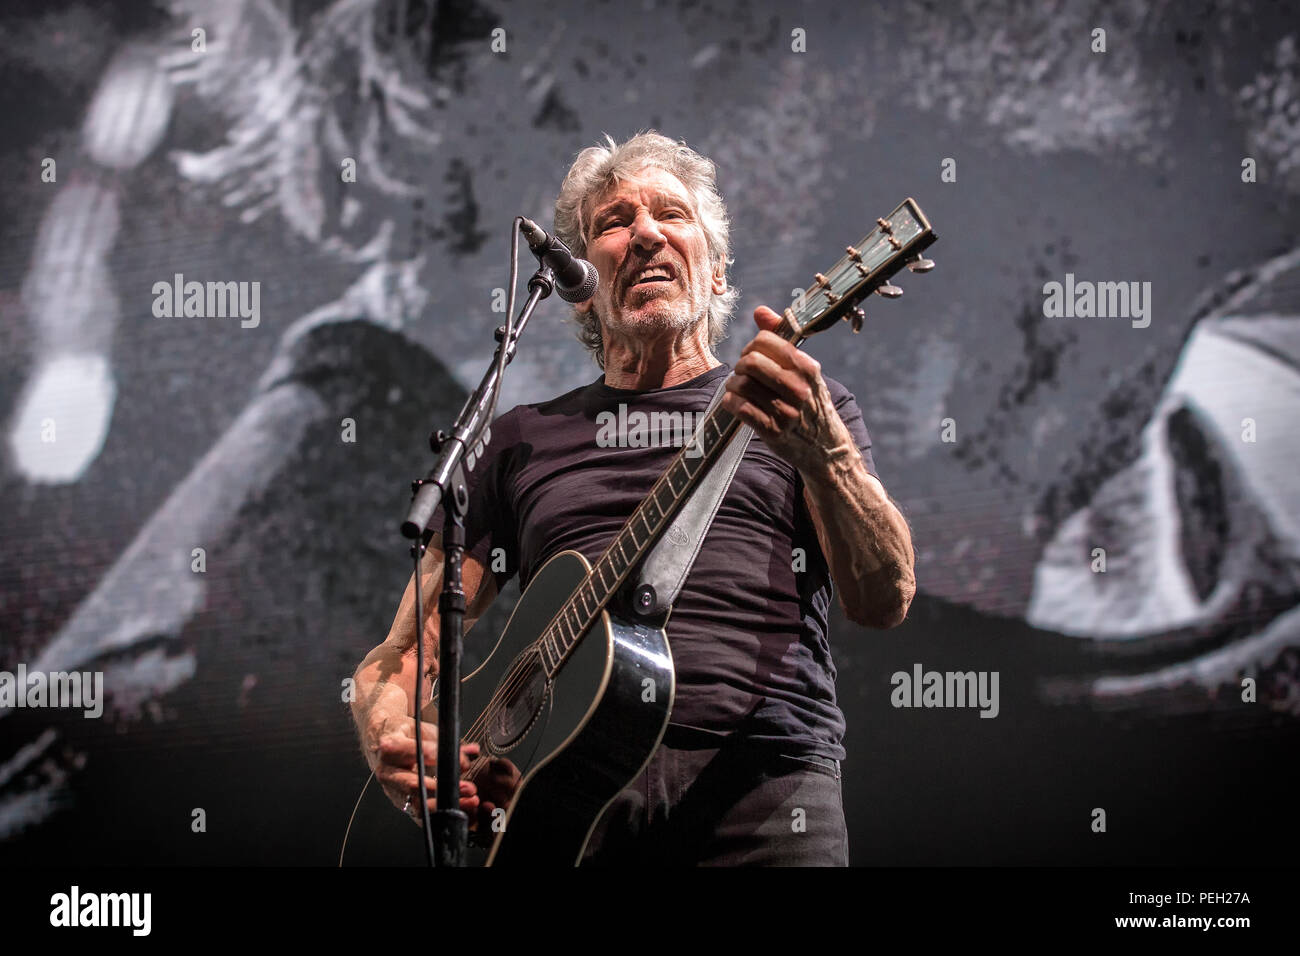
(385, 694)
(393, 759)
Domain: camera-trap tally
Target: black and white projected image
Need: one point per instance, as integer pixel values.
(254, 252)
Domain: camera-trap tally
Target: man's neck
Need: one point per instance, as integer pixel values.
(638, 365)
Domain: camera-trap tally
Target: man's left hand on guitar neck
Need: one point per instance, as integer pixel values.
(778, 390)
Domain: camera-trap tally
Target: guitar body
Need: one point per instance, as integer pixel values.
(577, 740)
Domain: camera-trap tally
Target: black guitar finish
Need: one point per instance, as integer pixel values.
(597, 727)
(577, 739)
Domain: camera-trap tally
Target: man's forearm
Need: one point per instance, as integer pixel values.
(385, 688)
(385, 680)
(865, 539)
(779, 391)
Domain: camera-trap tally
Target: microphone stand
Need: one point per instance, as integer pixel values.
(447, 833)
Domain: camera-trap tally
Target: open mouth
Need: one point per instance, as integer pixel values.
(653, 274)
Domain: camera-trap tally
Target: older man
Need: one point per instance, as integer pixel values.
(748, 770)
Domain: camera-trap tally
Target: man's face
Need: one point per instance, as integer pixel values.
(645, 240)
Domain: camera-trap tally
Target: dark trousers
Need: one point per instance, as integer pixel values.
(731, 806)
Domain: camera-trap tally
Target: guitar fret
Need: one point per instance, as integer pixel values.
(543, 649)
(662, 509)
(698, 444)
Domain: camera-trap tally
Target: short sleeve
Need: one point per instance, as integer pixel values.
(491, 529)
(849, 411)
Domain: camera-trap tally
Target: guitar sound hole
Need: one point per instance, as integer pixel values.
(520, 699)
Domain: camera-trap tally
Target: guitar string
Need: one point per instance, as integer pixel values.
(512, 680)
(519, 672)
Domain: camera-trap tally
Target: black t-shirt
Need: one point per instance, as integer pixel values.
(748, 632)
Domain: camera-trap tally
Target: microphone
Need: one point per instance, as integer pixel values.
(575, 279)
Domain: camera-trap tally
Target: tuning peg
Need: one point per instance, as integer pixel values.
(920, 264)
(855, 316)
(889, 291)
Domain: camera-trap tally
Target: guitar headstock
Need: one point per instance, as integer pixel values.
(897, 241)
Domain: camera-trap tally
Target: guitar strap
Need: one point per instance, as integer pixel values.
(660, 577)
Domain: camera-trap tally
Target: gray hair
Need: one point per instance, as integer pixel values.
(598, 167)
